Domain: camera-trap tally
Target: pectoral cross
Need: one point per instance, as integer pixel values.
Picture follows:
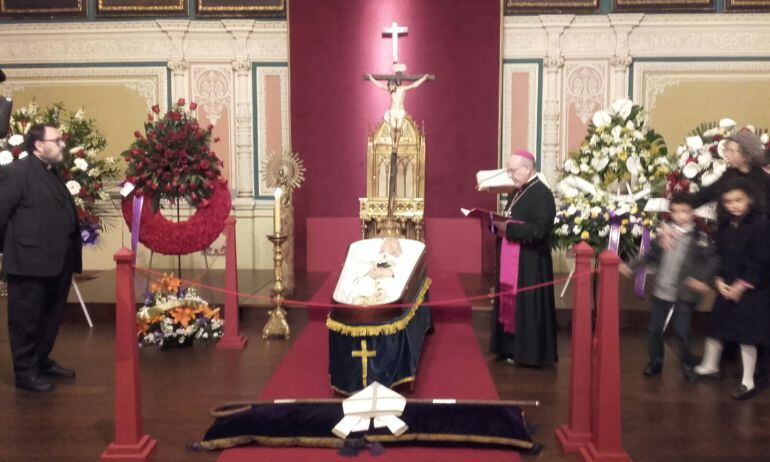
(364, 354)
(395, 30)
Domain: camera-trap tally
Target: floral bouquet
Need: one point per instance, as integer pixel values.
(700, 161)
(620, 152)
(605, 185)
(172, 160)
(83, 171)
(588, 219)
(172, 315)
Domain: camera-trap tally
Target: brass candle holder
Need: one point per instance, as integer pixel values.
(276, 324)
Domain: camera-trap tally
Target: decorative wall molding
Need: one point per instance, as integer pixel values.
(532, 98)
(616, 42)
(139, 8)
(147, 81)
(282, 72)
(42, 8)
(651, 79)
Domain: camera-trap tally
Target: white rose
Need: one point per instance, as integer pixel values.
(704, 159)
(81, 164)
(765, 138)
(94, 172)
(6, 157)
(694, 187)
(576, 229)
(76, 150)
(726, 124)
(16, 140)
(680, 150)
(601, 118)
(22, 154)
(599, 163)
(584, 167)
(616, 130)
(684, 158)
(638, 135)
(622, 107)
(571, 210)
(604, 231)
(721, 147)
(708, 178)
(630, 125)
(691, 170)
(73, 187)
(712, 132)
(751, 128)
(695, 143)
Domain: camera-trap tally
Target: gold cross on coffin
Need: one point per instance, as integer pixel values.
(364, 354)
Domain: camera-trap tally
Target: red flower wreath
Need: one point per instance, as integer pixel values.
(161, 235)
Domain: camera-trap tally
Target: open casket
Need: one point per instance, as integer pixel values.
(377, 325)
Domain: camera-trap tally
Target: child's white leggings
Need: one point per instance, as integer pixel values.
(713, 353)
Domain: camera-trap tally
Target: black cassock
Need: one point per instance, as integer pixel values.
(534, 340)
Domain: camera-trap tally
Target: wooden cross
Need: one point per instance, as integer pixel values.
(364, 354)
(394, 31)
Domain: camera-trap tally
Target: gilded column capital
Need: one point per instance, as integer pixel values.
(177, 65)
(553, 63)
(241, 66)
(622, 62)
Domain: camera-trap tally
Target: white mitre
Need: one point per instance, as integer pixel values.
(376, 402)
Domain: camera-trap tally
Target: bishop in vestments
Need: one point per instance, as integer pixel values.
(524, 321)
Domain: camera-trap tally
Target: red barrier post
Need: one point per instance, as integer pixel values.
(130, 444)
(606, 444)
(577, 432)
(232, 338)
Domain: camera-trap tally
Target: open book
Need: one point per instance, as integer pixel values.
(496, 181)
(483, 214)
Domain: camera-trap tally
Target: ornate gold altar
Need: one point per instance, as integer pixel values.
(410, 181)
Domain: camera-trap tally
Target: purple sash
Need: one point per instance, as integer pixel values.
(136, 219)
(509, 284)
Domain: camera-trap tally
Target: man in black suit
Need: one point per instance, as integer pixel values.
(41, 247)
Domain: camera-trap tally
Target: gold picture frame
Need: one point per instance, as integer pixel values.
(241, 8)
(141, 8)
(513, 7)
(743, 6)
(38, 8)
(654, 6)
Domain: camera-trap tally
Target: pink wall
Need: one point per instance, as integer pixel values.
(519, 111)
(333, 43)
(273, 119)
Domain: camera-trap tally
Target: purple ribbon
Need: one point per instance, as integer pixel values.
(136, 219)
(614, 237)
(641, 275)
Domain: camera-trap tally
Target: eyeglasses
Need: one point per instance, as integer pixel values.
(55, 140)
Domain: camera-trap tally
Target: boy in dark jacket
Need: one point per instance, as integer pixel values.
(683, 273)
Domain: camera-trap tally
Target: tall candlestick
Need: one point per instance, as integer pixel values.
(277, 212)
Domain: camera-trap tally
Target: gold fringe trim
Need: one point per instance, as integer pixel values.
(450, 438)
(394, 384)
(288, 441)
(380, 329)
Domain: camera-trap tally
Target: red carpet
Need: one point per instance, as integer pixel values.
(451, 367)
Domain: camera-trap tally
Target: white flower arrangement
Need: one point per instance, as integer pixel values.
(700, 160)
(607, 182)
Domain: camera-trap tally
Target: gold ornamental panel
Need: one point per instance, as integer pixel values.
(408, 213)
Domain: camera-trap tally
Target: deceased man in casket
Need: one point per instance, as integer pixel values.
(377, 271)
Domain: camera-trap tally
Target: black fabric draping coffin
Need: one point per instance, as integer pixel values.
(310, 423)
(396, 355)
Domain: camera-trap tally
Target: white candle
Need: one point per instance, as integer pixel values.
(277, 212)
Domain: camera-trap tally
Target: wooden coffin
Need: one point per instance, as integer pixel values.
(376, 276)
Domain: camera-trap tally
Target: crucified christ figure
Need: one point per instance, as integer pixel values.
(395, 115)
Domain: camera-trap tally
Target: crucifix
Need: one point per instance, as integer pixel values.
(395, 115)
(394, 31)
(364, 354)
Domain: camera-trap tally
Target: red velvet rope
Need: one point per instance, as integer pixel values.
(309, 304)
(162, 235)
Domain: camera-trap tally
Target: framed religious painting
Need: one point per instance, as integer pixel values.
(513, 7)
(141, 8)
(657, 6)
(42, 8)
(747, 5)
(241, 8)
